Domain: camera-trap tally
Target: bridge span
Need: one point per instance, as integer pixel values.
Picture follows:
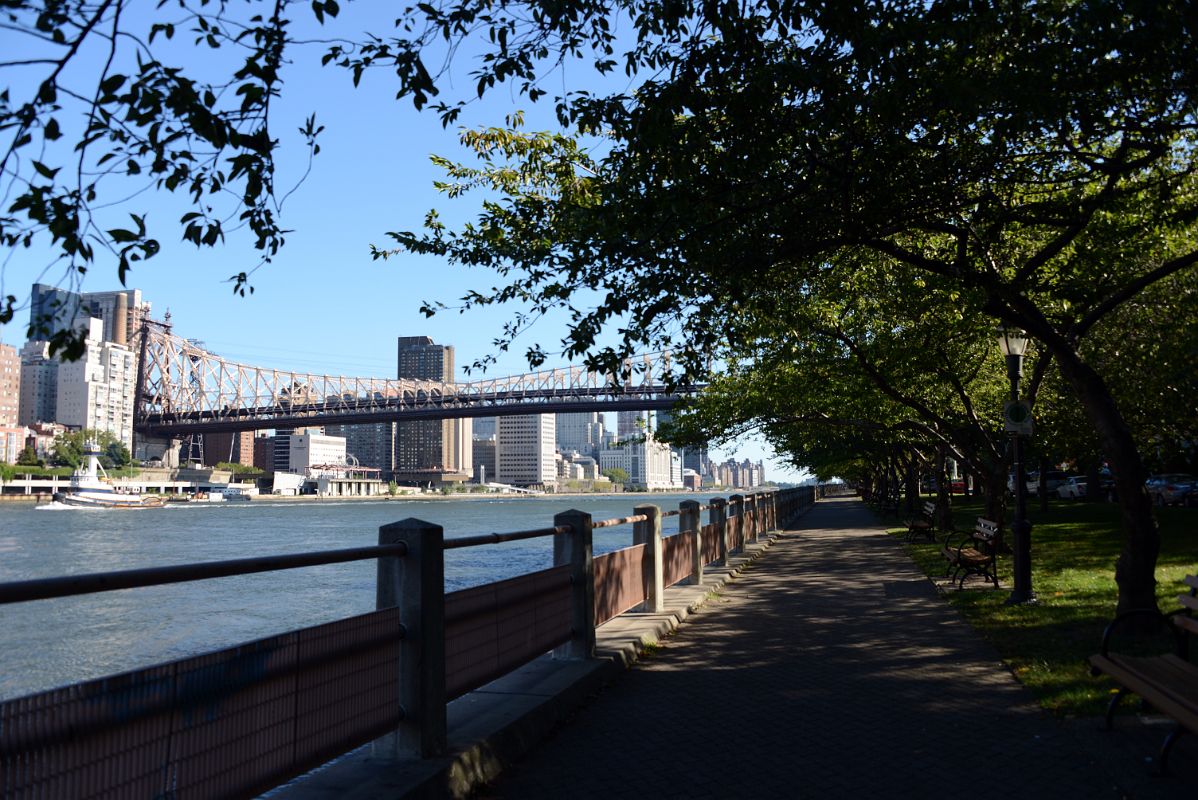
(184, 389)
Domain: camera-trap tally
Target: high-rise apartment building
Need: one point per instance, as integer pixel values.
(97, 390)
(525, 450)
(39, 384)
(483, 427)
(434, 450)
(122, 312)
(10, 387)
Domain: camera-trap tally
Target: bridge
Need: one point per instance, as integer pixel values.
(183, 389)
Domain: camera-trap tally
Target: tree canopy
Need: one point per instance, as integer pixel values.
(1030, 164)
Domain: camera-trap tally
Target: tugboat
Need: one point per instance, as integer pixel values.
(89, 491)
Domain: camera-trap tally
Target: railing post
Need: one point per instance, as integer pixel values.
(717, 515)
(416, 583)
(574, 548)
(648, 533)
(736, 521)
(754, 518)
(688, 520)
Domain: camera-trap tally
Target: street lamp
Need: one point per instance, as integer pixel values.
(1013, 343)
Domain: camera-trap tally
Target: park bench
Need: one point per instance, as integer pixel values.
(924, 524)
(973, 552)
(1168, 683)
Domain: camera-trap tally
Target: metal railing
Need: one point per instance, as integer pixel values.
(238, 721)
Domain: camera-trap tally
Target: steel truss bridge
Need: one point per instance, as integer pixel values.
(183, 389)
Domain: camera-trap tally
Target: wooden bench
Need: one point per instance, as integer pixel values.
(924, 524)
(973, 552)
(1168, 683)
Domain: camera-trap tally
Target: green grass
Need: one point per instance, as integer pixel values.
(1074, 548)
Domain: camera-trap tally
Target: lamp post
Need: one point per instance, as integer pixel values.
(1013, 342)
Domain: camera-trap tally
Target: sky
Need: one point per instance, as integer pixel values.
(323, 305)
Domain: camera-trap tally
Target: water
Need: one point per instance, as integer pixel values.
(49, 643)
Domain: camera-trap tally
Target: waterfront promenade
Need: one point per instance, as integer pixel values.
(831, 668)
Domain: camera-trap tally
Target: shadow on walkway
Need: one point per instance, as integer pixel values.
(829, 668)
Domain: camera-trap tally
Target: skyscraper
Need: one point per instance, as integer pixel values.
(631, 424)
(432, 450)
(525, 450)
(582, 432)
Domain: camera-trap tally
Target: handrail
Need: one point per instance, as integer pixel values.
(673, 513)
(495, 538)
(611, 523)
(90, 583)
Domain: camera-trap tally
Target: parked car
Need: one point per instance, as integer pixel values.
(1074, 488)
(1052, 481)
(1172, 489)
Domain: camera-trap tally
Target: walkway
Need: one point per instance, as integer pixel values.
(808, 678)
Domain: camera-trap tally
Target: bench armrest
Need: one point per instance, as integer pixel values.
(1163, 619)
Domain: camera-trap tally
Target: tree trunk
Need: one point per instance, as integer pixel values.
(912, 483)
(1042, 489)
(944, 498)
(1135, 569)
(995, 492)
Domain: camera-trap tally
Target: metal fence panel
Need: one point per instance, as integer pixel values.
(711, 543)
(621, 582)
(231, 722)
(494, 628)
(676, 556)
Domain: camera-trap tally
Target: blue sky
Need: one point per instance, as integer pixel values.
(323, 305)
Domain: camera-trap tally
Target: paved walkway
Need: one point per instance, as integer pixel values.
(829, 669)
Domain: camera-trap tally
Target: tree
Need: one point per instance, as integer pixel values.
(616, 475)
(1034, 160)
(28, 457)
(69, 448)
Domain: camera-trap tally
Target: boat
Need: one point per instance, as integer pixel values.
(88, 490)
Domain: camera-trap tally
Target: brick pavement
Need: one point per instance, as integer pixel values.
(829, 668)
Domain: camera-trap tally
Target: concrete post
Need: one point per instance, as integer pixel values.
(649, 534)
(575, 549)
(718, 516)
(416, 583)
(750, 519)
(736, 519)
(688, 520)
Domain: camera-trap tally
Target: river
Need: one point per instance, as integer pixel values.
(49, 643)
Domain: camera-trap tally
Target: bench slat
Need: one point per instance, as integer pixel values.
(1187, 624)
(1191, 581)
(1166, 682)
(1188, 602)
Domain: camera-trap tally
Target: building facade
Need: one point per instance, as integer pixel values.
(96, 392)
(308, 451)
(651, 465)
(582, 432)
(525, 450)
(430, 450)
(230, 448)
(373, 445)
(10, 386)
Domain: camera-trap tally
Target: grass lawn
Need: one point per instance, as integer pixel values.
(1074, 548)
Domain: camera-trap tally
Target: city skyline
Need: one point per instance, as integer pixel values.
(776, 471)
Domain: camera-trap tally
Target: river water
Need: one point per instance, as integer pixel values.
(49, 643)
